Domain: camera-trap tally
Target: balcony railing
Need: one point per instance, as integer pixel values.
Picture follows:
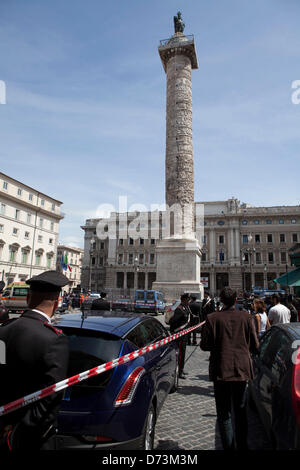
(164, 42)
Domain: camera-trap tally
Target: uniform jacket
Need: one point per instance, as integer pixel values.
(208, 306)
(195, 308)
(36, 357)
(100, 304)
(180, 319)
(230, 337)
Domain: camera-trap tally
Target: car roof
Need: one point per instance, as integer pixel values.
(117, 323)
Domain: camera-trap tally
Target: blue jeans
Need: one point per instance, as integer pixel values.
(230, 399)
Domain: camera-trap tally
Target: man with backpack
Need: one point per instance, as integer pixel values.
(179, 321)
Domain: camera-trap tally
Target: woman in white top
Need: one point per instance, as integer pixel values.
(261, 319)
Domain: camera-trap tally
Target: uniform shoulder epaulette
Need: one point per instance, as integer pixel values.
(56, 330)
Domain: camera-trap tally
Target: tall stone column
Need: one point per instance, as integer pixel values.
(178, 253)
(179, 134)
(178, 56)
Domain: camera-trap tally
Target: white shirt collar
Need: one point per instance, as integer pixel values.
(42, 313)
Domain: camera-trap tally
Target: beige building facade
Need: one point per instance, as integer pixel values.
(245, 246)
(74, 257)
(242, 246)
(29, 227)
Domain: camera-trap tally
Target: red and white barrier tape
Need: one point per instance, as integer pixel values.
(59, 386)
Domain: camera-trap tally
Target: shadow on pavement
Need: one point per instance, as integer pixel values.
(194, 390)
(168, 445)
(204, 377)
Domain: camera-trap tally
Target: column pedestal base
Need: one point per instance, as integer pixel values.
(178, 268)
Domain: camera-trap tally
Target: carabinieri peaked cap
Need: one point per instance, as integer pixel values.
(48, 280)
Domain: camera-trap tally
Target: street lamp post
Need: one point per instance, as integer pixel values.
(243, 270)
(250, 251)
(287, 279)
(92, 241)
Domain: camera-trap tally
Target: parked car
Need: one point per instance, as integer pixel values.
(126, 305)
(275, 390)
(86, 303)
(63, 306)
(94, 295)
(119, 408)
(149, 301)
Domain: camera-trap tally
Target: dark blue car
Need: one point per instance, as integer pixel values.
(117, 409)
(274, 391)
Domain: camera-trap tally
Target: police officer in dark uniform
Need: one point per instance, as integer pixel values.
(181, 320)
(195, 308)
(36, 357)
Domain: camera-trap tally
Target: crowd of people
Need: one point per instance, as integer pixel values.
(72, 300)
(231, 333)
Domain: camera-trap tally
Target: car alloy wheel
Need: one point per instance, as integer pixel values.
(148, 436)
(176, 377)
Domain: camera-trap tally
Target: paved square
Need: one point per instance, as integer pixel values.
(188, 417)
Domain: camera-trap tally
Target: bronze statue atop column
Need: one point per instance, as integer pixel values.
(178, 23)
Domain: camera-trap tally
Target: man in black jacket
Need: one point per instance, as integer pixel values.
(180, 321)
(36, 357)
(101, 304)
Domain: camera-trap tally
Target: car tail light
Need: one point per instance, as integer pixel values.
(128, 390)
(296, 387)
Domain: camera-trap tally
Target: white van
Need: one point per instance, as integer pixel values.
(14, 297)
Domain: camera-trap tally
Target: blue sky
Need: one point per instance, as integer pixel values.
(84, 119)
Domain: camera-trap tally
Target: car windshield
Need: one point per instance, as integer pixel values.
(150, 296)
(89, 349)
